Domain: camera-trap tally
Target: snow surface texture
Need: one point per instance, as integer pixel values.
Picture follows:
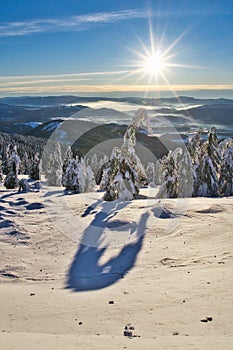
(163, 284)
(109, 223)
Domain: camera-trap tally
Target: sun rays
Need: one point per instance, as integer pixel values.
(155, 61)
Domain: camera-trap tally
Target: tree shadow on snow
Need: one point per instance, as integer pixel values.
(2, 198)
(86, 272)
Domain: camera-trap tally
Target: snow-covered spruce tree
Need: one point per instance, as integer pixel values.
(185, 176)
(208, 186)
(123, 174)
(194, 149)
(34, 168)
(25, 164)
(177, 177)
(169, 171)
(70, 178)
(52, 164)
(213, 149)
(13, 162)
(86, 178)
(224, 145)
(209, 166)
(226, 173)
(77, 177)
(66, 174)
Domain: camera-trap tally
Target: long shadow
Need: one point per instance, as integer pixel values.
(2, 198)
(5, 223)
(86, 272)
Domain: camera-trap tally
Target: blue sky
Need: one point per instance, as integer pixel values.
(103, 47)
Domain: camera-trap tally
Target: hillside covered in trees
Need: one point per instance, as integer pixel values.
(199, 168)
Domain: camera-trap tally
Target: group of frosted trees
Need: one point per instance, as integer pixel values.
(12, 164)
(19, 155)
(199, 168)
(77, 176)
(121, 176)
(202, 169)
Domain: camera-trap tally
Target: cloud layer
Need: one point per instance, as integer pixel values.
(83, 83)
(108, 88)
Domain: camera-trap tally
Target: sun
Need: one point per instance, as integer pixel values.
(153, 64)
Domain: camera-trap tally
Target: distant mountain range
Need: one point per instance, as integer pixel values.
(40, 115)
(213, 114)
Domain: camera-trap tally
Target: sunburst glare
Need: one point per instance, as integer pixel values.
(155, 61)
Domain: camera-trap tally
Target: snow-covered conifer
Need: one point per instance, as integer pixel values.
(123, 174)
(223, 145)
(208, 167)
(66, 174)
(13, 162)
(176, 174)
(34, 169)
(212, 148)
(77, 176)
(85, 177)
(169, 170)
(194, 145)
(24, 164)
(208, 186)
(53, 164)
(226, 173)
(194, 149)
(185, 176)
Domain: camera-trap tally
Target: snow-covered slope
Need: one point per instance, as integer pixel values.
(170, 271)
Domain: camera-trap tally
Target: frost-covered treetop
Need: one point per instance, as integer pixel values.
(140, 118)
(212, 136)
(225, 144)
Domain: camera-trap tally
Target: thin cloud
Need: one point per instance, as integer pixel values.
(73, 23)
(40, 81)
(110, 88)
(62, 75)
(30, 80)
